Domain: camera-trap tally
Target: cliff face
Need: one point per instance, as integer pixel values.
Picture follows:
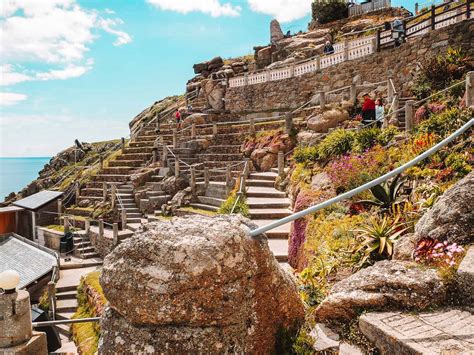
(64, 168)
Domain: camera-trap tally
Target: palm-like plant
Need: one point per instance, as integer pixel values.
(379, 236)
(386, 194)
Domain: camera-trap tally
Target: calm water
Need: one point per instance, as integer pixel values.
(16, 173)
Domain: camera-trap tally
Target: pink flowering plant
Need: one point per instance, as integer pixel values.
(433, 252)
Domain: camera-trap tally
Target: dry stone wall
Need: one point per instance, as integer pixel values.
(292, 92)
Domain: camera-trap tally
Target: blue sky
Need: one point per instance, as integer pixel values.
(84, 68)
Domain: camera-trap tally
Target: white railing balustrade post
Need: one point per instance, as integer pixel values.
(268, 75)
(409, 115)
(246, 79)
(281, 164)
(322, 100)
(292, 70)
(346, 49)
(470, 89)
(176, 168)
(101, 228)
(115, 236)
(373, 44)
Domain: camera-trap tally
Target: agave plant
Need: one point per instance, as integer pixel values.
(379, 236)
(386, 194)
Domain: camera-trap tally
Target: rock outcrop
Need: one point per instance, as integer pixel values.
(276, 33)
(396, 285)
(196, 284)
(321, 123)
(452, 216)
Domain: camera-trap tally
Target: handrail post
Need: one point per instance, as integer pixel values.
(66, 224)
(281, 164)
(433, 17)
(104, 191)
(228, 178)
(193, 130)
(318, 62)
(115, 237)
(155, 158)
(113, 196)
(322, 100)
(246, 79)
(122, 142)
(390, 92)
(353, 93)
(214, 128)
(60, 209)
(292, 69)
(176, 167)
(87, 226)
(374, 45)
(101, 228)
(193, 180)
(396, 106)
(252, 126)
(470, 89)
(51, 291)
(175, 137)
(78, 192)
(288, 122)
(162, 140)
(206, 177)
(379, 39)
(124, 218)
(164, 163)
(158, 124)
(346, 49)
(409, 115)
(101, 162)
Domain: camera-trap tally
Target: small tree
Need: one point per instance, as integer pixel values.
(325, 11)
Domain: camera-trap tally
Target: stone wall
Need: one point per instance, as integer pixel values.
(293, 92)
(103, 246)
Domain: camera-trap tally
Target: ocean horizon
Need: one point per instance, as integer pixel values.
(17, 172)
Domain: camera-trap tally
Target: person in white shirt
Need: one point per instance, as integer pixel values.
(379, 112)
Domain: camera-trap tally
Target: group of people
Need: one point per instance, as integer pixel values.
(372, 111)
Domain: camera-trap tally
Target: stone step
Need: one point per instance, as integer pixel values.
(444, 331)
(92, 191)
(155, 193)
(89, 255)
(133, 214)
(64, 315)
(226, 149)
(79, 211)
(219, 157)
(205, 207)
(135, 150)
(64, 329)
(259, 191)
(66, 295)
(134, 156)
(271, 176)
(112, 178)
(211, 201)
(134, 220)
(156, 178)
(281, 232)
(269, 213)
(264, 202)
(160, 200)
(116, 170)
(60, 289)
(83, 250)
(279, 248)
(260, 183)
(66, 305)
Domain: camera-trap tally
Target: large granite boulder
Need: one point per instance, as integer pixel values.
(196, 285)
(322, 122)
(214, 92)
(395, 285)
(276, 33)
(452, 216)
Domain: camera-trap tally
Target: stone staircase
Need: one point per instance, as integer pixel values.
(128, 204)
(401, 115)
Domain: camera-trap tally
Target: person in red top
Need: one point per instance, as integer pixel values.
(368, 109)
(177, 115)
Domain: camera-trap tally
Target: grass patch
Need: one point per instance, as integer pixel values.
(59, 228)
(198, 211)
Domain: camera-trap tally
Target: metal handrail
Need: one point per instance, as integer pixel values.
(241, 187)
(366, 186)
(64, 321)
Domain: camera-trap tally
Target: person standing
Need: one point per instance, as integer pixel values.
(177, 115)
(328, 48)
(379, 111)
(368, 109)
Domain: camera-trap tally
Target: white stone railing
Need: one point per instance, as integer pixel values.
(360, 9)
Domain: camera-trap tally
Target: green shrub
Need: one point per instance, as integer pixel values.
(325, 11)
(366, 138)
(241, 206)
(445, 122)
(459, 163)
(306, 154)
(338, 142)
(386, 135)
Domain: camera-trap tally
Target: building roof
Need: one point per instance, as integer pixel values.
(31, 262)
(38, 199)
(9, 209)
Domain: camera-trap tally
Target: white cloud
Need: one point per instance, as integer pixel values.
(282, 10)
(55, 33)
(210, 7)
(11, 98)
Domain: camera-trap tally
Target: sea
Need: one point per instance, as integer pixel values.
(16, 173)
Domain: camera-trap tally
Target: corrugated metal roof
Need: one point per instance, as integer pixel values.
(38, 199)
(10, 209)
(30, 262)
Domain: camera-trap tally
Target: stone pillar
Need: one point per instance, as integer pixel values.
(206, 177)
(123, 145)
(123, 215)
(228, 179)
(390, 92)
(281, 164)
(104, 191)
(113, 196)
(101, 228)
(175, 137)
(252, 126)
(66, 224)
(353, 93)
(470, 89)
(409, 115)
(346, 49)
(288, 122)
(101, 162)
(164, 163)
(192, 182)
(60, 209)
(115, 236)
(176, 167)
(276, 33)
(322, 100)
(16, 333)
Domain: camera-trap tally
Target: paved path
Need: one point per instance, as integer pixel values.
(446, 331)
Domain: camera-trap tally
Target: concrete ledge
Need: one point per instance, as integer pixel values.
(465, 278)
